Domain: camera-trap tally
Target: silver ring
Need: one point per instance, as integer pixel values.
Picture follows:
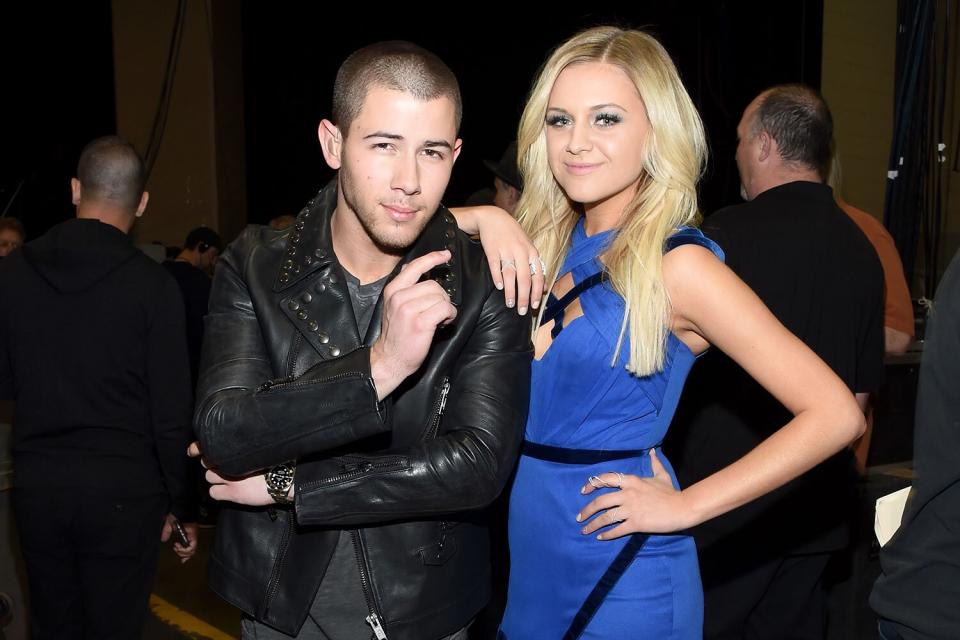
(508, 264)
(619, 480)
(533, 267)
(596, 482)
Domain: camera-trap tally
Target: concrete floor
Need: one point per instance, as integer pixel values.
(194, 611)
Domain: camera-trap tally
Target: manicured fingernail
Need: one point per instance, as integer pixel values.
(498, 285)
(522, 310)
(583, 489)
(579, 517)
(535, 304)
(600, 537)
(510, 303)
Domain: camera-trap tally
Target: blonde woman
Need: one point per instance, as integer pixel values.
(611, 148)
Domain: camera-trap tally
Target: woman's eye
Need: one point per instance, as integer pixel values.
(607, 119)
(557, 120)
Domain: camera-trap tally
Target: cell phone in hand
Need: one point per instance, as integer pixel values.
(181, 534)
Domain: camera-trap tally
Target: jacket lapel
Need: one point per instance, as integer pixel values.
(312, 291)
(310, 287)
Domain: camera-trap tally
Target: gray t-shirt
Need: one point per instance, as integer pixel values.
(339, 608)
(364, 299)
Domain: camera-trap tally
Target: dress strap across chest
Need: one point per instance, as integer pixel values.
(555, 308)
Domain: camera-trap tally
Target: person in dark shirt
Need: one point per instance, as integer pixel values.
(917, 594)
(93, 354)
(762, 564)
(192, 269)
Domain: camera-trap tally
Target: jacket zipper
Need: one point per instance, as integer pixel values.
(438, 411)
(358, 470)
(373, 618)
(292, 356)
(290, 382)
(274, 583)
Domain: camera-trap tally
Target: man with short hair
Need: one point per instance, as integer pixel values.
(201, 249)
(192, 269)
(11, 235)
(93, 354)
(762, 564)
(364, 386)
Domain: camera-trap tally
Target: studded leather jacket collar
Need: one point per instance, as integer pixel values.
(286, 376)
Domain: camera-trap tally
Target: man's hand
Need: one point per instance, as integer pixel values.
(185, 553)
(251, 491)
(193, 451)
(412, 311)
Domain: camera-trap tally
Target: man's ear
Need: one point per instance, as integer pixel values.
(457, 145)
(75, 191)
(765, 146)
(331, 143)
(514, 194)
(143, 204)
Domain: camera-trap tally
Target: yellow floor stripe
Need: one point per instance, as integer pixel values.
(184, 621)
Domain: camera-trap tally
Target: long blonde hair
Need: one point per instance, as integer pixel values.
(666, 197)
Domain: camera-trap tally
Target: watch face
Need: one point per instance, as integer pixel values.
(280, 478)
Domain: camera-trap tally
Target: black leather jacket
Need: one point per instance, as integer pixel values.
(285, 376)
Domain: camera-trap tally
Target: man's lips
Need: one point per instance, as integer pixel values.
(399, 212)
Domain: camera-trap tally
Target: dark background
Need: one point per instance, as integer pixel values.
(58, 84)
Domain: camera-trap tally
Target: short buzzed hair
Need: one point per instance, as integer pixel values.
(12, 224)
(797, 117)
(111, 170)
(398, 65)
(203, 236)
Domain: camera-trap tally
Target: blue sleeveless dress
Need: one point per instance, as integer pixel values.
(588, 418)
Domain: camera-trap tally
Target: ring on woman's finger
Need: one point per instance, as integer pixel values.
(508, 264)
(533, 267)
(596, 482)
(619, 480)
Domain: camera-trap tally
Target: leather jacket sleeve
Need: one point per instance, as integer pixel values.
(465, 467)
(247, 421)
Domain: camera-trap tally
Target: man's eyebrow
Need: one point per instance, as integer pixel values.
(396, 136)
(383, 134)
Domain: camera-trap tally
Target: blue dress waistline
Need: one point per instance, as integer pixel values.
(579, 456)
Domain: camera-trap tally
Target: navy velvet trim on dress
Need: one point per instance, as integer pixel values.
(579, 456)
(556, 308)
(690, 235)
(603, 587)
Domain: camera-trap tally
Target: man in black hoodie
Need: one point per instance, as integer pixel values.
(93, 353)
